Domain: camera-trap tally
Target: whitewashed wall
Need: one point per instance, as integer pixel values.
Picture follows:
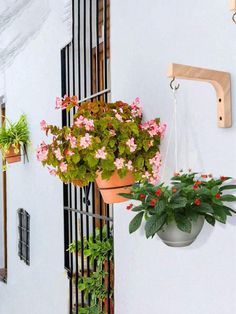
(145, 37)
(32, 82)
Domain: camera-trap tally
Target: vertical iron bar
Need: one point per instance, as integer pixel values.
(97, 47)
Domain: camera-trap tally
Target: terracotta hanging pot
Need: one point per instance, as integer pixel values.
(111, 187)
(11, 156)
(172, 236)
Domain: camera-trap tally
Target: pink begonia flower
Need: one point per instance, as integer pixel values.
(69, 152)
(52, 172)
(112, 132)
(129, 165)
(136, 110)
(153, 128)
(58, 103)
(58, 154)
(72, 140)
(101, 153)
(118, 117)
(132, 146)
(119, 163)
(146, 175)
(42, 152)
(79, 122)
(154, 179)
(85, 141)
(43, 125)
(155, 162)
(63, 166)
(89, 124)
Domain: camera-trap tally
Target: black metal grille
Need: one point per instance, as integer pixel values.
(85, 72)
(24, 236)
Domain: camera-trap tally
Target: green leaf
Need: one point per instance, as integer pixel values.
(75, 158)
(228, 198)
(138, 208)
(154, 224)
(183, 223)
(210, 219)
(215, 190)
(203, 191)
(92, 162)
(228, 187)
(219, 214)
(129, 196)
(179, 202)
(136, 222)
(205, 208)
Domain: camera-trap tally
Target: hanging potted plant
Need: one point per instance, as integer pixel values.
(106, 142)
(13, 139)
(176, 212)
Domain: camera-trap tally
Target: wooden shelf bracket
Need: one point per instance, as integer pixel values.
(233, 5)
(221, 81)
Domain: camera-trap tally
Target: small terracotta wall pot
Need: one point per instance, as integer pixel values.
(111, 187)
(11, 156)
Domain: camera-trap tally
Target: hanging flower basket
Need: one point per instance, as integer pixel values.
(13, 154)
(105, 143)
(171, 235)
(176, 213)
(111, 187)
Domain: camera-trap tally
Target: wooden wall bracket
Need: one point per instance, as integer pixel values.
(233, 5)
(221, 82)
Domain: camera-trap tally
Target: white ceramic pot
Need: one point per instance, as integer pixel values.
(172, 236)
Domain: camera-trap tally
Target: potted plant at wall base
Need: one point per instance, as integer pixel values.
(14, 138)
(98, 285)
(176, 212)
(107, 142)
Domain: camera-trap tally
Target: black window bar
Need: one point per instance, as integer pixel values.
(24, 236)
(85, 73)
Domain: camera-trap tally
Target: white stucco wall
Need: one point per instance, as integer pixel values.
(32, 82)
(145, 37)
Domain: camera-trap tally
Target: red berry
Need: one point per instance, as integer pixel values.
(130, 206)
(174, 190)
(195, 187)
(142, 196)
(204, 176)
(222, 178)
(158, 192)
(218, 196)
(198, 182)
(197, 201)
(153, 202)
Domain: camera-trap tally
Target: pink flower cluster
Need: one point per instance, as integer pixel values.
(43, 125)
(101, 153)
(42, 152)
(132, 146)
(153, 128)
(136, 110)
(86, 141)
(120, 163)
(72, 140)
(62, 103)
(155, 162)
(84, 122)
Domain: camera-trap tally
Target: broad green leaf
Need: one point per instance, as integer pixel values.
(138, 208)
(203, 191)
(183, 223)
(136, 222)
(154, 224)
(210, 219)
(219, 213)
(205, 208)
(75, 158)
(92, 161)
(179, 202)
(228, 187)
(215, 190)
(228, 198)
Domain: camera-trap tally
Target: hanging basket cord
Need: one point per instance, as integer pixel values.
(173, 126)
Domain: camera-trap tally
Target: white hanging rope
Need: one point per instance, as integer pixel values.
(173, 125)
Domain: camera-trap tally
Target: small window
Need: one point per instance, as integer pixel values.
(24, 236)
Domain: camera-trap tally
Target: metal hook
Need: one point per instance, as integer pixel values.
(176, 87)
(234, 17)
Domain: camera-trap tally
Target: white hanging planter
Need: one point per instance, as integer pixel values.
(171, 235)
